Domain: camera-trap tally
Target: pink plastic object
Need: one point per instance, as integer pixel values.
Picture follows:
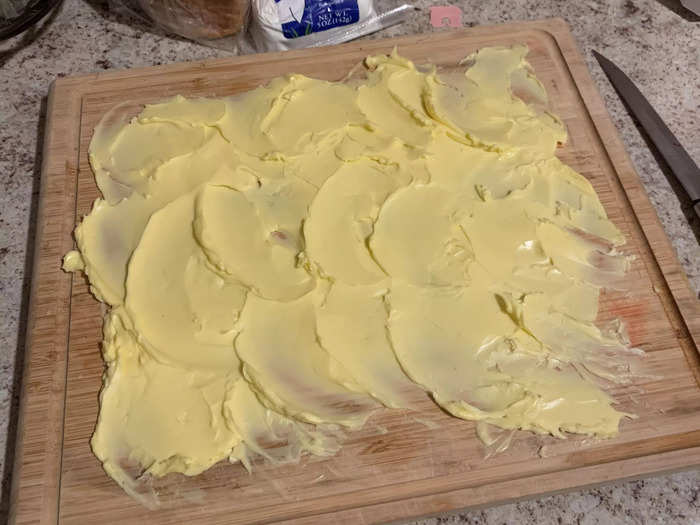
(446, 15)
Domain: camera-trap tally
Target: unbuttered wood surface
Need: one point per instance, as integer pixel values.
(402, 464)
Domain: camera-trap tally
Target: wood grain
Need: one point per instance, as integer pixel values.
(400, 465)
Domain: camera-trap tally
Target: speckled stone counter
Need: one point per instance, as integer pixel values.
(656, 46)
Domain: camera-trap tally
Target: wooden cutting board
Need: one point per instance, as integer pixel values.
(401, 465)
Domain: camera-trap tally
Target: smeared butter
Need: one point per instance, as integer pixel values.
(281, 263)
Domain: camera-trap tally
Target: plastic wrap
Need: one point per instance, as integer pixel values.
(199, 19)
(10, 9)
(250, 26)
(216, 23)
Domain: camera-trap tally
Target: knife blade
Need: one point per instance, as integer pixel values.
(677, 158)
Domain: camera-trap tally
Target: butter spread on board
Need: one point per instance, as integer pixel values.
(281, 263)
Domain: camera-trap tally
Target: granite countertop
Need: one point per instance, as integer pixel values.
(655, 42)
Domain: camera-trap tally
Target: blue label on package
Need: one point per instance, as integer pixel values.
(303, 17)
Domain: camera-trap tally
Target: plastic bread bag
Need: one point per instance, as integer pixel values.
(199, 19)
(250, 26)
(10, 9)
(215, 23)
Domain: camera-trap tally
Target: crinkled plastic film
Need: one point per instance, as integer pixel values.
(251, 26)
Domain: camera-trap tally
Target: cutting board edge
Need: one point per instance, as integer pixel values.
(88, 80)
(677, 292)
(470, 498)
(73, 89)
(43, 393)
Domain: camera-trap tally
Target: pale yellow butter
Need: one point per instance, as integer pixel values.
(282, 263)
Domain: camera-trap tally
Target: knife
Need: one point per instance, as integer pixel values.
(677, 158)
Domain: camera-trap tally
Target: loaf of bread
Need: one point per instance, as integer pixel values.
(208, 19)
